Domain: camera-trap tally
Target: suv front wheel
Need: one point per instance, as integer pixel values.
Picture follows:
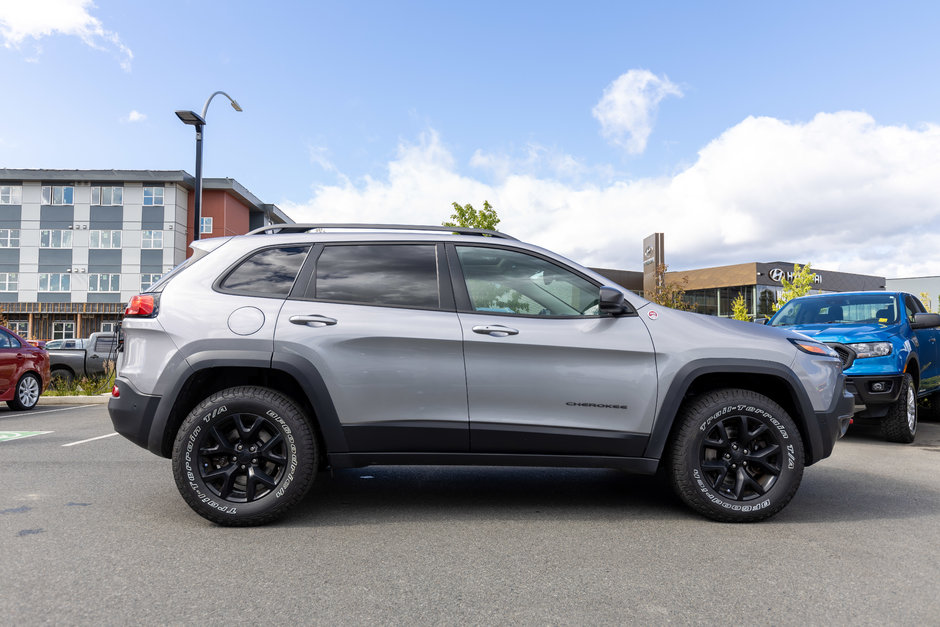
(736, 456)
(244, 456)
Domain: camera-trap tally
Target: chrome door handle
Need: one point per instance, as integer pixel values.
(313, 321)
(496, 330)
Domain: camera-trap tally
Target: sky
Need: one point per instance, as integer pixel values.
(803, 132)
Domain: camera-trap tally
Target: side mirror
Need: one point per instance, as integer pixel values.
(925, 321)
(611, 301)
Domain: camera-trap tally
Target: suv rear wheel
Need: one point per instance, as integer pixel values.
(244, 456)
(736, 457)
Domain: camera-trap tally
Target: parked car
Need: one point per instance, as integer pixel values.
(71, 343)
(889, 346)
(24, 371)
(268, 356)
(86, 357)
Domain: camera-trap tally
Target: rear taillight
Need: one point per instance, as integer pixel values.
(141, 306)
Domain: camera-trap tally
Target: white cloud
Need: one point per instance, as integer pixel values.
(134, 116)
(627, 109)
(839, 191)
(34, 19)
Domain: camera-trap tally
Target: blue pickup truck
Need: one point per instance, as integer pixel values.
(889, 347)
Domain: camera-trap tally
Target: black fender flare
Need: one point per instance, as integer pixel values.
(675, 395)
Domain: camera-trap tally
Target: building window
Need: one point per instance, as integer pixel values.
(104, 282)
(153, 196)
(20, 327)
(205, 225)
(9, 238)
(9, 281)
(111, 326)
(106, 196)
(55, 282)
(151, 239)
(57, 194)
(146, 280)
(104, 239)
(63, 330)
(55, 239)
(10, 194)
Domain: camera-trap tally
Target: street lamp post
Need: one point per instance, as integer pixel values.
(199, 121)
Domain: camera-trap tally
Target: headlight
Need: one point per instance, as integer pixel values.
(870, 349)
(814, 348)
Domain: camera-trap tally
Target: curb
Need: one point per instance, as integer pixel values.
(98, 399)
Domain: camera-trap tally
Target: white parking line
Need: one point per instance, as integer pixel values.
(100, 437)
(35, 412)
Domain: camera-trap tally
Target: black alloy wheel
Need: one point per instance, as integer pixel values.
(741, 457)
(242, 457)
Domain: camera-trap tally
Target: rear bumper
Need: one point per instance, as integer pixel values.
(132, 412)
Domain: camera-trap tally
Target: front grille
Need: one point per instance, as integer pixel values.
(846, 354)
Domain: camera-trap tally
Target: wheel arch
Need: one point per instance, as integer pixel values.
(304, 386)
(772, 379)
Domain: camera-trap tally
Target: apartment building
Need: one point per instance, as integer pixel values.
(75, 245)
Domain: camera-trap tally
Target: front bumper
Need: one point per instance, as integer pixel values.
(862, 388)
(833, 424)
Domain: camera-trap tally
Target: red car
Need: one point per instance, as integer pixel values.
(24, 371)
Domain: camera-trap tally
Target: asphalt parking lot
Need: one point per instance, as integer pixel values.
(92, 531)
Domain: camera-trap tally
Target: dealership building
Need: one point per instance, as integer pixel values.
(75, 245)
(712, 290)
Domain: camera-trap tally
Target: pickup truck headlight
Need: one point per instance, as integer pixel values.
(870, 349)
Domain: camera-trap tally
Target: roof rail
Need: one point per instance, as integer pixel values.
(305, 228)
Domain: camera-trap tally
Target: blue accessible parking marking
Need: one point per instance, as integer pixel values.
(16, 435)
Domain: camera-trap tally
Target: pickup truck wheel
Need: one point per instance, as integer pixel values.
(900, 425)
(244, 456)
(27, 392)
(736, 456)
(61, 376)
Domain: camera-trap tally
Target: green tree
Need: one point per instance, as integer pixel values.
(801, 284)
(739, 308)
(467, 216)
(669, 294)
(925, 298)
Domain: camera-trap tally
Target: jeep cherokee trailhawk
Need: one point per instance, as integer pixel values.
(269, 356)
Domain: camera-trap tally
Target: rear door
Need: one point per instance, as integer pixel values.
(376, 323)
(547, 373)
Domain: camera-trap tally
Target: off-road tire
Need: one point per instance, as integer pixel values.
(27, 392)
(900, 425)
(735, 456)
(244, 456)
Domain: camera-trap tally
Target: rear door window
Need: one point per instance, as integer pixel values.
(394, 275)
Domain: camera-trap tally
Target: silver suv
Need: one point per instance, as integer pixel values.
(269, 356)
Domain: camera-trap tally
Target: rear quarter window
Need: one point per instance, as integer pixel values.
(267, 272)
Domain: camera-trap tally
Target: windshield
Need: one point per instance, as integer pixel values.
(839, 309)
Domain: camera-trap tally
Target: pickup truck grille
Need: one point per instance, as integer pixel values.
(846, 354)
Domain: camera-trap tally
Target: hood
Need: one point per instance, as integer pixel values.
(843, 332)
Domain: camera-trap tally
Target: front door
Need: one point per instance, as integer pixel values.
(547, 373)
